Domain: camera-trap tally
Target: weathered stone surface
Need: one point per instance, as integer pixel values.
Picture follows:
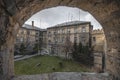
(65, 76)
(16, 12)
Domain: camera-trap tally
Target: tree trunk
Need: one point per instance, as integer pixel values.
(8, 31)
(7, 60)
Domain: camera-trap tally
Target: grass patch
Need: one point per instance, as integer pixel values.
(47, 64)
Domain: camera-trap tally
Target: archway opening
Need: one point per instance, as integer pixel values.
(52, 20)
(14, 15)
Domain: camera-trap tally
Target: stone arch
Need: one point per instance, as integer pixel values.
(15, 12)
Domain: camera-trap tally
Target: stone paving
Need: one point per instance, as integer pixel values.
(25, 57)
(65, 76)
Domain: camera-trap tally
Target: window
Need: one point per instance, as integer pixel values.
(75, 39)
(17, 39)
(94, 39)
(49, 42)
(36, 40)
(62, 30)
(83, 29)
(28, 32)
(21, 39)
(36, 33)
(49, 34)
(54, 33)
(62, 39)
(68, 30)
(56, 40)
(75, 30)
(22, 32)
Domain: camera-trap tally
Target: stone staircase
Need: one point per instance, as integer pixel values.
(65, 76)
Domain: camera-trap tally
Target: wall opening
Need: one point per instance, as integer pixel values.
(14, 15)
(40, 34)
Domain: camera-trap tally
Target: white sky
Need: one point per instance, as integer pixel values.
(56, 15)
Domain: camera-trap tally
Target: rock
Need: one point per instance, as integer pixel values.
(38, 65)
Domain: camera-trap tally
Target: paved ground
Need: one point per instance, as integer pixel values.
(65, 76)
(25, 57)
(21, 57)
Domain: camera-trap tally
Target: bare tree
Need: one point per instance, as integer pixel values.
(67, 46)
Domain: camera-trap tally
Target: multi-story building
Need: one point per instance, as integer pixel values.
(62, 36)
(29, 36)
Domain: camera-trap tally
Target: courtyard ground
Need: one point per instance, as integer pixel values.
(47, 64)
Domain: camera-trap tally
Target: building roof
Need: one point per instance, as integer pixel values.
(27, 26)
(70, 23)
(43, 29)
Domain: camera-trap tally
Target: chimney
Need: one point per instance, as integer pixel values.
(32, 23)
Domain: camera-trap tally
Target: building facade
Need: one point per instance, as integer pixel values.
(28, 36)
(98, 40)
(44, 38)
(61, 37)
(99, 49)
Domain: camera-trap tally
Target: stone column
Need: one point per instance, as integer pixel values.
(7, 60)
(7, 35)
(7, 38)
(113, 52)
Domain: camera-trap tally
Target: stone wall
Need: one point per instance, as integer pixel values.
(65, 76)
(16, 12)
(99, 62)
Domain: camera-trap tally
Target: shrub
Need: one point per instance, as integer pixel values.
(53, 69)
(82, 54)
(22, 49)
(61, 64)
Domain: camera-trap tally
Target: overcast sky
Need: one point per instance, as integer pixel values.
(56, 15)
